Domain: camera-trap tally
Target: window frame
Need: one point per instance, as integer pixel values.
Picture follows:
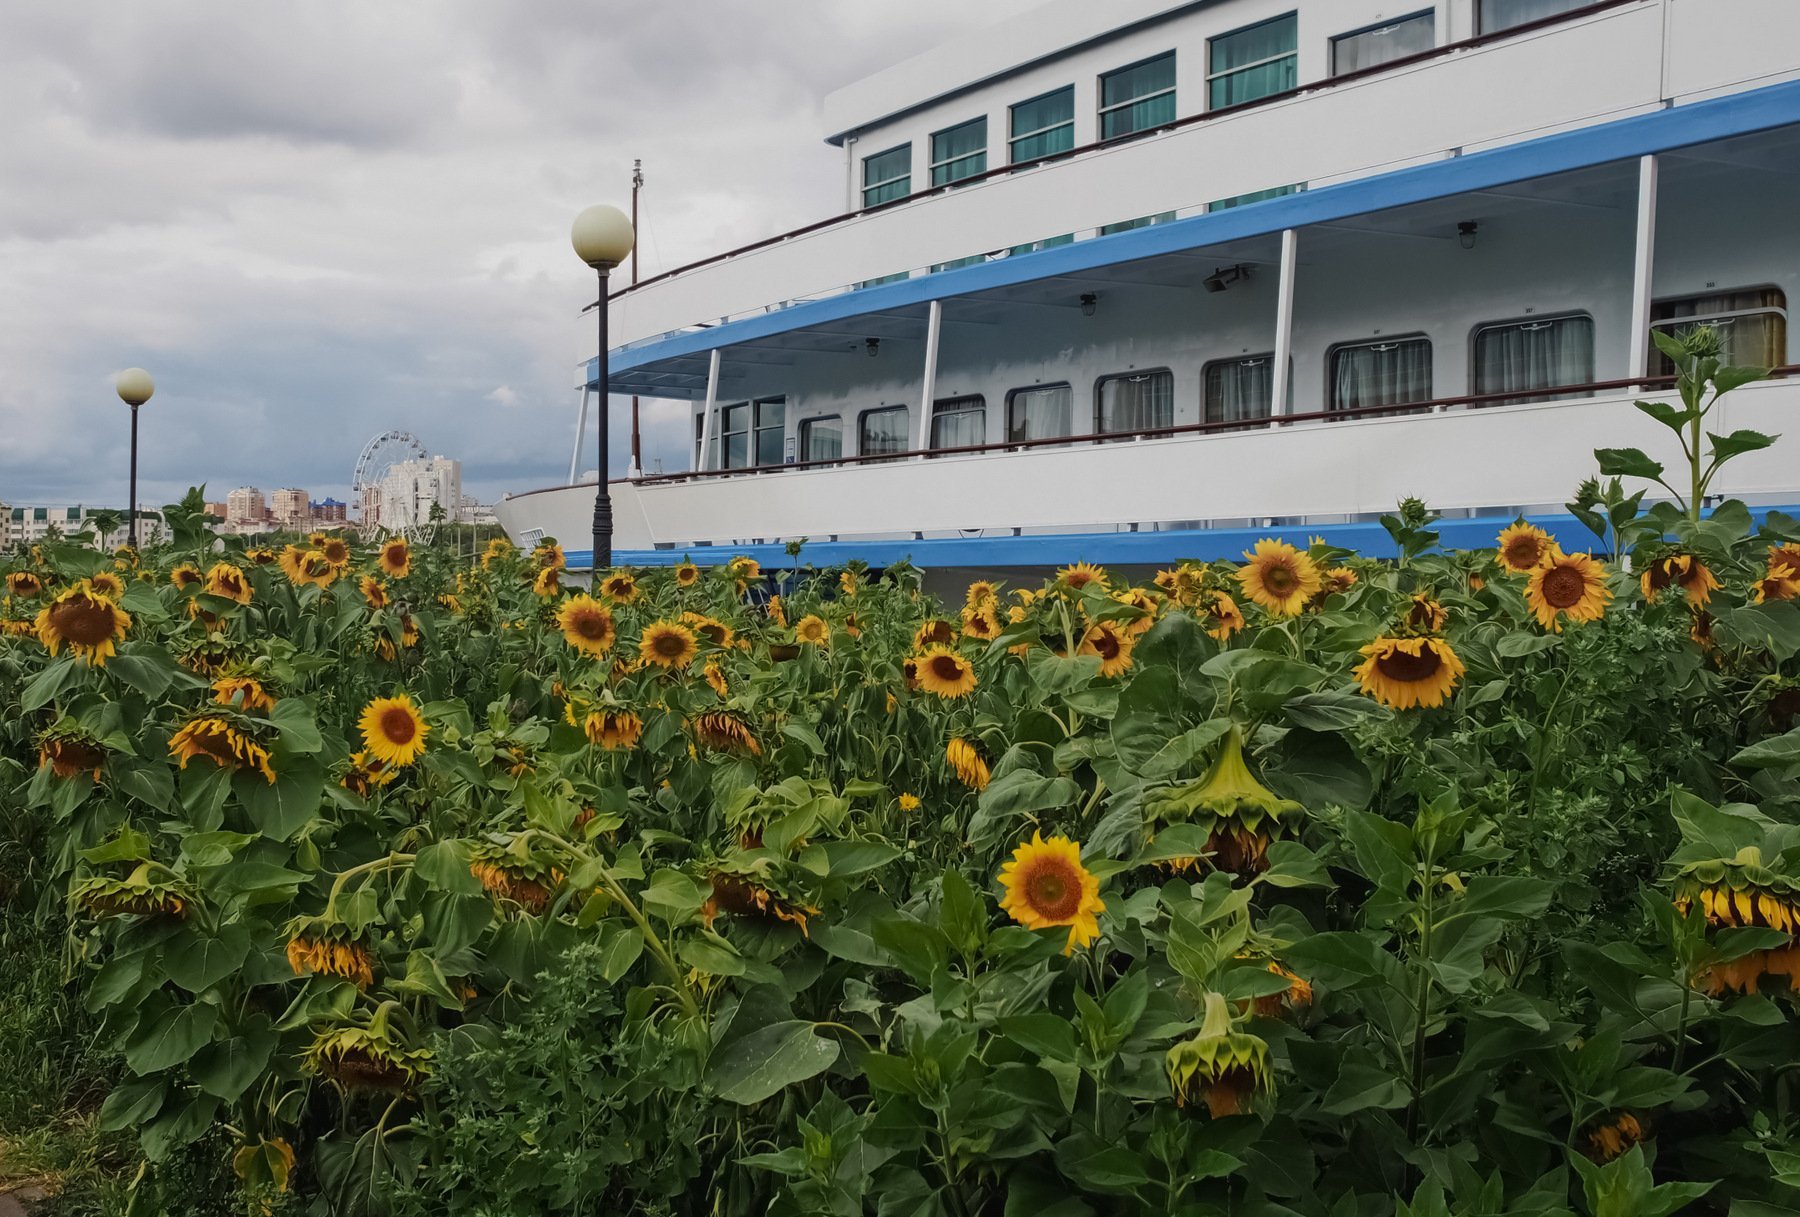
(748, 431)
(1242, 360)
(862, 417)
(1212, 76)
(1013, 394)
(803, 436)
(1104, 109)
(758, 428)
(1658, 360)
(906, 177)
(963, 403)
(1331, 354)
(936, 164)
(1549, 391)
(1481, 30)
(1390, 23)
(1100, 383)
(1014, 138)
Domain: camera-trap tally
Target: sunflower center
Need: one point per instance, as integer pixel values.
(1281, 580)
(1054, 892)
(336, 551)
(1523, 551)
(714, 634)
(590, 626)
(216, 743)
(397, 725)
(947, 668)
(1407, 668)
(670, 645)
(1564, 587)
(83, 621)
(1105, 645)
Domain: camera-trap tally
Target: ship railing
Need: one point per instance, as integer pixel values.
(1316, 86)
(1440, 405)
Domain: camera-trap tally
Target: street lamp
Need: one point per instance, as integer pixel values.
(602, 238)
(135, 387)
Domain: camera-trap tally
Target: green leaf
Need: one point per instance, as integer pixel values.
(299, 733)
(171, 1037)
(963, 913)
(1669, 415)
(770, 1058)
(281, 810)
(48, 684)
(674, 896)
(197, 962)
(844, 858)
(1724, 447)
(1361, 1086)
(1319, 769)
(132, 1104)
(1331, 710)
(1517, 645)
(227, 1068)
(1048, 1035)
(149, 671)
(1627, 462)
(444, 866)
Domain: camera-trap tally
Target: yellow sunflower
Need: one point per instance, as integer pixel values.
(259, 556)
(908, 802)
(777, 613)
(1567, 585)
(393, 730)
(336, 551)
(395, 558)
(813, 630)
(613, 729)
(686, 574)
(550, 555)
(326, 954)
(186, 575)
(744, 569)
(23, 584)
(548, 582)
(1138, 598)
(945, 673)
(219, 741)
(586, 625)
(713, 630)
(1279, 577)
(498, 548)
(667, 645)
(715, 676)
(1081, 574)
(1685, 571)
(1425, 613)
(374, 592)
(981, 621)
(1113, 649)
(848, 583)
(1047, 886)
(725, 731)
(1781, 583)
(109, 584)
(966, 763)
(1223, 617)
(85, 621)
(1613, 1136)
(981, 592)
(1336, 581)
(245, 692)
(365, 773)
(1522, 547)
(307, 566)
(935, 632)
(227, 582)
(620, 587)
(67, 752)
(1408, 672)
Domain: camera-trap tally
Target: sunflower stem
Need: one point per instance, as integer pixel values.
(374, 864)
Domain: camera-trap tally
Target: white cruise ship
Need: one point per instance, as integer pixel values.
(1124, 282)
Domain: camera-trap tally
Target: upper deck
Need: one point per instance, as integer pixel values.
(1477, 86)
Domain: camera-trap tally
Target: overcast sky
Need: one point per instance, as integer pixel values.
(313, 222)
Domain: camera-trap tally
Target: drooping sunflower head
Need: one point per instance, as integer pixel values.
(85, 621)
(126, 557)
(613, 728)
(1241, 815)
(66, 750)
(1407, 672)
(395, 558)
(776, 610)
(107, 584)
(224, 741)
(1279, 577)
(587, 625)
(1298, 993)
(686, 574)
(620, 587)
(1522, 547)
(393, 730)
(1082, 574)
(1047, 887)
(1612, 1135)
(363, 774)
(513, 873)
(260, 556)
(1113, 648)
(1226, 1070)
(548, 583)
(23, 584)
(318, 946)
(374, 592)
(981, 621)
(966, 763)
(935, 632)
(150, 890)
(812, 630)
(1223, 617)
(668, 645)
(247, 693)
(308, 567)
(744, 569)
(752, 895)
(714, 631)
(1682, 570)
(849, 582)
(1571, 586)
(725, 731)
(981, 593)
(944, 673)
(498, 549)
(228, 583)
(186, 575)
(372, 1058)
(1425, 615)
(1782, 582)
(1334, 581)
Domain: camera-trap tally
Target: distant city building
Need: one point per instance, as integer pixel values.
(330, 511)
(290, 508)
(216, 510)
(246, 505)
(29, 525)
(473, 512)
(5, 527)
(405, 496)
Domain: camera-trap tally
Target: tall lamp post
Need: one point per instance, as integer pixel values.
(602, 237)
(135, 387)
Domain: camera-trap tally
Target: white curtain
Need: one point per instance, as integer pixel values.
(883, 431)
(1372, 48)
(958, 426)
(1040, 413)
(1534, 355)
(1137, 403)
(1240, 389)
(1504, 14)
(1381, 374)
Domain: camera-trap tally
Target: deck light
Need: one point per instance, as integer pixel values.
(603, 238)
(1219, 280)
(1089, 303)
(873, 346)
(134, 388)
(1465, 233)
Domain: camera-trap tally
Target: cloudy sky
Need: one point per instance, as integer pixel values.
(313, 222)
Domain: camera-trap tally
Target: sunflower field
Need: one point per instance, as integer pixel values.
(1458, 883)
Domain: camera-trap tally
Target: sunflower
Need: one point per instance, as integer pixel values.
(374, 592)
(319, 948)
(393, 730)
(1407, 672)
(848, 583)
(1522, 547)
(548, 582)
(336, 550)
(371, 1058)
(109, 584)
(1081, 575)
(613, 729)
(1685, 571)
(1113, 648)
(1047, 887)
(527, 881)
(228, 583)
(1567, 585)
(944, 672)
(67, 751)
(125, 557)
(260, 556)
(620, 587)
(15, 627)
(1226, 1070)
(1781, 583)
(667, 645)
(1784, 555)
(725, 731)
(966, 763)
(715, 676)
(140, 894)
(908, 802)
(216, 739)
(365, 773)
(1240, 814)
(307, 566)
(23, 584)
(497, 548)
(186, 575)
(1147, 602)
(1335, 582)
(812, 630)
(935, 632)
(1425, 613)
(980, 621)
(686, 574)
(409, 638)
(1279, 577)
(744, 896)
(713, 630)
(586, 625)
(777, 613)
(548, 553)
(980, 593)
(744, 569)
(89, 623)
(1223, 616)
(1613, 1136)
(395, 558)
(245, 692)
(1298, 993)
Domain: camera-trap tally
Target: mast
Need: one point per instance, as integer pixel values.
(637, 184)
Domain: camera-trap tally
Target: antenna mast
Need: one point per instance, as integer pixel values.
(637, 184)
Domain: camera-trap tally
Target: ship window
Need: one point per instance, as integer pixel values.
(1751, 323)
(1492, 16)
(1134, 401)
(771, 430)
(699, 435)
(1257, 61)
(1046, 243)
(1255, 196)
(1391, 372)
(1542, 353)
(959, 422)
(959, 152)
(881, 431)
(1138, 97)
(734, 436)
(822, 439)
(1041, 412)
(1384, 43)
(1161, 217)
(1042, 126)
(1239, 389)
(887, 175)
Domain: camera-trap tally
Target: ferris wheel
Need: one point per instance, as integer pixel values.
(378, 456)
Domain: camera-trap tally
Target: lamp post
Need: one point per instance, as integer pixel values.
(602, 238)
(135, 387)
